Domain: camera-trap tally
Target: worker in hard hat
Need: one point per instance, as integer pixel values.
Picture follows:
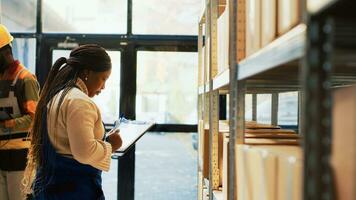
(19, 93)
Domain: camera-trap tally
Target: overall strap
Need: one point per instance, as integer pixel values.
(16, 78)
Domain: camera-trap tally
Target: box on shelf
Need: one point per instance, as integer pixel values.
(204, 146)
(289, 15)
(343, 157)
(220, 156)
(256, 133)
(272, 141)
(223, 40)
(221, 7)
(268, 21)
(262, 169)
(243, 180)
(207, 60)
(290, 177)
(201, 74)
(206, 155)
(253, 26)
(241, 30)
(225, 166)
(269, 172)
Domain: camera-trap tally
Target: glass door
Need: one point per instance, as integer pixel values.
(109, 100)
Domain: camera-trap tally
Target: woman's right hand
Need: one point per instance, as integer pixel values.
(114, 139)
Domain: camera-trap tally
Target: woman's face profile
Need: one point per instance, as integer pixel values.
(96, 82)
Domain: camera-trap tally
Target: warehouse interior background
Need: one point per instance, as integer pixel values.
(173, 64)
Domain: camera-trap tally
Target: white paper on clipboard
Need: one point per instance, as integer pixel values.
(121, 122)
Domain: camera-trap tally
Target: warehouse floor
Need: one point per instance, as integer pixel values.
(166, 168)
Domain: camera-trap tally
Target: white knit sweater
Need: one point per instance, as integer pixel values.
(78, 130)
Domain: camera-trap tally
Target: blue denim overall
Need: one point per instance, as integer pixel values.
(63, 178)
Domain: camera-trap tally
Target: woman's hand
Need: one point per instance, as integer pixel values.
(114, 139)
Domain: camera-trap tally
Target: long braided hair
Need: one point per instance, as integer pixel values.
(62, 77)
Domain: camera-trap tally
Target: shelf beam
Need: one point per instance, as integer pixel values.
(221, 81)
(287, 48)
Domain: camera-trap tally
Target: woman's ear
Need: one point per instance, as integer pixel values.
(84, 74)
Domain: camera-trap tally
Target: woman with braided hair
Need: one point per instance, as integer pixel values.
(68, 150)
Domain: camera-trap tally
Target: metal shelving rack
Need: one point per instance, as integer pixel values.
(312, 58)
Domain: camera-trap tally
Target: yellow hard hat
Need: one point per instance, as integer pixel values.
(5, 37)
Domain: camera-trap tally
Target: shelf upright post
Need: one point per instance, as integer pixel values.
(236, 89)
(316, 124)
(200, 108)
(254, 107)
(275, 98)
(213, 100)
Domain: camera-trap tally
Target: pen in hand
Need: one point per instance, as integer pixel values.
(114, 139)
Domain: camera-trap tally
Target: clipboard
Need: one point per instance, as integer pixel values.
(131, 132)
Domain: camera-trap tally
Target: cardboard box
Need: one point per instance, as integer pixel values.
(289, 15)
(200, 144)
(241, 30)
(343, 157)
(201, 74)
(264, 183)
(221, 7)
(207, 60)
(244, 190)
(205, 153)
(290, 178)
(289, 171)
(204, 142)
(223, 41)
(268, 21)
(225, 166)
(269, 172)
(220, 156)
(253, 26)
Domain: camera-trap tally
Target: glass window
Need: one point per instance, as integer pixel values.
(169, 17)
(18, 15)
(166, 87)
(24, 50)
(264, 108)
(109, 99)
(288, 108)
(85, 16)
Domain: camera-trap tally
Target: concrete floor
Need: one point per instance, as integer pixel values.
(166, 168)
